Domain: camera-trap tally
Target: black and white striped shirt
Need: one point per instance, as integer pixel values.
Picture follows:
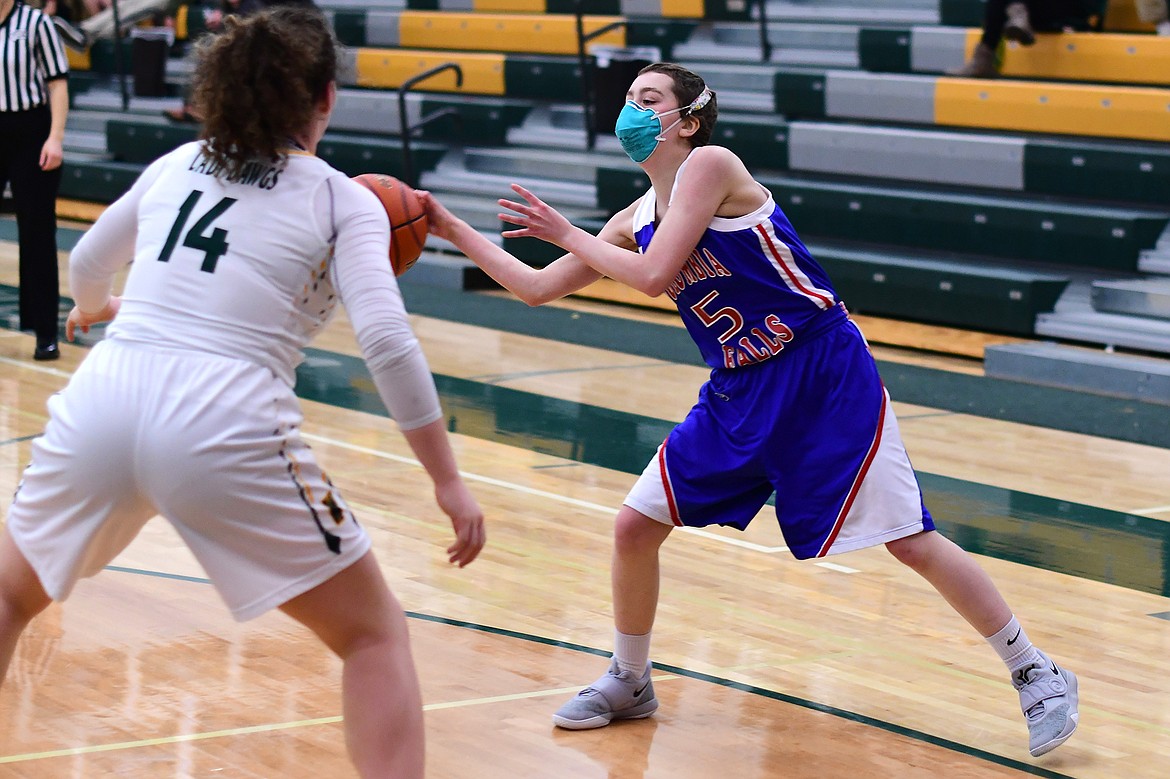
(31, 55)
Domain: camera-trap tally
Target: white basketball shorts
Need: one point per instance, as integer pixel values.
(212, 444)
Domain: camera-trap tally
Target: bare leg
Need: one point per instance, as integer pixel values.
(21, 598)
(357, 616)
(957, 577)
(635, 570)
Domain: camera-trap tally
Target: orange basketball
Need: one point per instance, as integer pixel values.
(408, 220)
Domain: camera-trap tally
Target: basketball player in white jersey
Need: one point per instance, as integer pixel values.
(794, 405)
(242, 244)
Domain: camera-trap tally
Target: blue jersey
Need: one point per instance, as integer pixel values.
(814, 428)
(749, 288)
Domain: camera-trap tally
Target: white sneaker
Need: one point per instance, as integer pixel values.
(617, 695)
(1048, 697)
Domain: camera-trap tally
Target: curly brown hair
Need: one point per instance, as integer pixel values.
(258, 83)
(688, 85)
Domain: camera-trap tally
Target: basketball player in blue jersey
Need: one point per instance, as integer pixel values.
(794, 404)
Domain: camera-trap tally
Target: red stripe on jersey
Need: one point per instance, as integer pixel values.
(794, 282)
(873, 449)
(666, 485)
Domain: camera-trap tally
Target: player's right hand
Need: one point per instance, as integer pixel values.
(457, 502)
(440, 221)
(79, 319)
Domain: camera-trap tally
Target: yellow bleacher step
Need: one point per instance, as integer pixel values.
(483, 74)
(79, 210)
(519, 33)
(1122, 16)
(1087, 56)
(1139, 113)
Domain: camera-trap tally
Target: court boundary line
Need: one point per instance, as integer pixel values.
(751, 689)
(671, 670)
(273, 727)
(824, 708)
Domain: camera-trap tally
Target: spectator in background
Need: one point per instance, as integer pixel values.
(34, 103)
(1017, 20)
(1155, 12)
(97, 19)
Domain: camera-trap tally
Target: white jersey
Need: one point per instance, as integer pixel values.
(186, 409)
(253, 267)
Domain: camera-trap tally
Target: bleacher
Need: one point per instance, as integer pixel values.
(1035, 205)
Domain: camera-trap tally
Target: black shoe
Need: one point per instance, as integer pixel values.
(46, 351)
(74, 37)
(1018, 26)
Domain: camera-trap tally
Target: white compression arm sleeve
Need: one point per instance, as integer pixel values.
(367, 287)
(107, 246)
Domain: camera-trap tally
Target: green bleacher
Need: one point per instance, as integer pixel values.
(952, 201)
(1062, 235)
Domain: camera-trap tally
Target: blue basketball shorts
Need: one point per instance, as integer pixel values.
(815, 426)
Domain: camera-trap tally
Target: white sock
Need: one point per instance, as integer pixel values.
(1013, 647)
(1164, 28)
(632, 653)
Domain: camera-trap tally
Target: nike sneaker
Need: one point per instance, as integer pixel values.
(1048, 697)
(617, 695)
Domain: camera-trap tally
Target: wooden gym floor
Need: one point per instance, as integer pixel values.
(768, 667)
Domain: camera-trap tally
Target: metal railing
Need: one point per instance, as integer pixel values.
(119, 62)
(587, 101)
(765, 44)
(404, 123)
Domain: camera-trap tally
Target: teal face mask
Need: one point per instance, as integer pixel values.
(640, 129)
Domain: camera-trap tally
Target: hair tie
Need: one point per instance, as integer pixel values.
(699, 102)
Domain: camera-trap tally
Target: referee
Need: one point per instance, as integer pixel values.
(34, 101)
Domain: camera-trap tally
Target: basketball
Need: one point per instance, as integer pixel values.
(408, 220)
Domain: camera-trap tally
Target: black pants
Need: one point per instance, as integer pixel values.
(22, 134)
(1045, 15)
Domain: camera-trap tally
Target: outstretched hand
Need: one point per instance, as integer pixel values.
(440, 221)
(536, 218)
(78, 319)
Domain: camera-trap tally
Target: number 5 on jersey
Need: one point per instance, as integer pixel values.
(213, 245)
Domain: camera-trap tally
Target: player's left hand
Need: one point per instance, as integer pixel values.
(78, 319)
(536, 218)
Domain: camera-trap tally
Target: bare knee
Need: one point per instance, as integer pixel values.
(19, 608)
(914, 551)
(22, 596)
(352, 611)
(635, 532)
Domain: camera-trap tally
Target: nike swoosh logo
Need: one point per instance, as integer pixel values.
(638, 692)
(1012, 640)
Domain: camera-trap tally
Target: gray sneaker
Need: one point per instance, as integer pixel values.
(617, 695)
(1048, 696)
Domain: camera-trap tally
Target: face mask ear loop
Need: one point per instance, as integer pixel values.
(662, 135)
(697, 104)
